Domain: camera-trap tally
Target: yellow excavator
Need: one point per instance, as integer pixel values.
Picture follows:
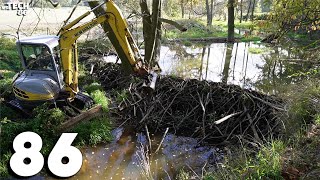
(51, 62)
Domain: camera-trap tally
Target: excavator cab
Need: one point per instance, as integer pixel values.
(51, 63)
(42, 78)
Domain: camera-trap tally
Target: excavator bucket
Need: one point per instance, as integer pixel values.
(151, 82)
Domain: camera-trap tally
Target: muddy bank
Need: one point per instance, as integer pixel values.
(213, 112)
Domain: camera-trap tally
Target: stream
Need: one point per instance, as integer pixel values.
(250, 65)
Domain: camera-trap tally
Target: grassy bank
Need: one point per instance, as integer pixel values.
(198, 29)
(294, 155)
(47, 120)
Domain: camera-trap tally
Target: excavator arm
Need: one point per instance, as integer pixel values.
(116, 28)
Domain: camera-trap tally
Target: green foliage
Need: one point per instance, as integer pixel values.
(99, 97)
(93, 87)
(9, 130)
(266, 164)
(47, 120)
(5, 87)
(84, 77)
(94, 132)
(302, 106)
(7, 112)
(171, 8)
(46, 123)
(4, 160)
(183, 175)
(196, 29)
(317, 119)
(250, 38)
(7, 44)
(121, 96)
(297, 16)
(303, 151)
(258, 50)
(9, 58)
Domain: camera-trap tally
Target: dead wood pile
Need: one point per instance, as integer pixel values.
(211, 111)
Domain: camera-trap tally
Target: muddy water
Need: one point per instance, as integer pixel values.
(129, 157)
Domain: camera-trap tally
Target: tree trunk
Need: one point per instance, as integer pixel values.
(209, 8)
(252, 10)
(182, 8)
(248, 10)
(211, 12)
(151, 31)
(241, 6)
(156, 25)
(208, 13)
(147, 26)
(231, 20)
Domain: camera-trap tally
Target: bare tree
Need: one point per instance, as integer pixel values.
(252, 9)
(209, 8)
(151, 31)
(248, 11)
(241, 10)
(231, 20)
(182, 8)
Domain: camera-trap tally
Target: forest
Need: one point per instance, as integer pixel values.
(173, 89)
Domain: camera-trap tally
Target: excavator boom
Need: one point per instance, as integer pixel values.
(51, 62)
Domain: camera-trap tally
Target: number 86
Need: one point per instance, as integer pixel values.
(63, 161)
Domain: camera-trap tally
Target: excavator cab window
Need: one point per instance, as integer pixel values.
(56, 57)
(37, 57)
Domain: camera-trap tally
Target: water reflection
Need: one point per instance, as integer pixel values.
(125, 158)
(219, 62)
(263, 68)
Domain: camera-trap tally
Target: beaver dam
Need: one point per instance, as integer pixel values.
(212, 112)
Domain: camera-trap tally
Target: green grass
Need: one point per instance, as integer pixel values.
(94, 132)
(99, 97)
(219, 29)
(9, 58)
(266, 164)
(10, 64)
(92, 87)
(258, 50)
(250, 38)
